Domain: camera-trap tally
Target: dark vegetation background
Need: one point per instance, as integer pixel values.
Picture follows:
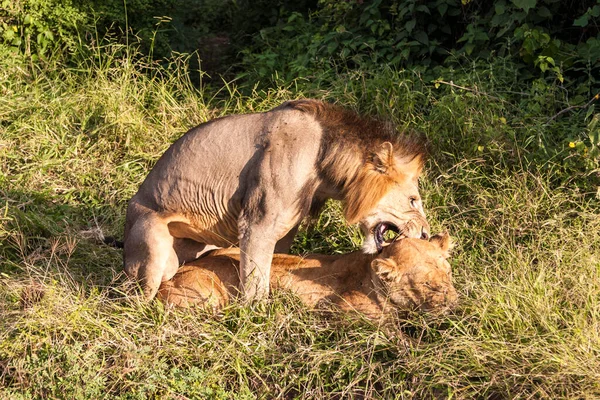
(258, 39)
(93, 92)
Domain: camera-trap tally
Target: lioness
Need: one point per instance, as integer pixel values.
(408, 274)
(253, 178)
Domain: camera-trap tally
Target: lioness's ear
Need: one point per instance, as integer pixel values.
(385, 268)
(444, 242)
(383, 158)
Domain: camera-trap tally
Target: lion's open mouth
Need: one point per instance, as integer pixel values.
(379, 233)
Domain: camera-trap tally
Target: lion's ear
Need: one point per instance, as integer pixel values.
(412, 168)
(386, 269)
(383, 158)
(444, 242)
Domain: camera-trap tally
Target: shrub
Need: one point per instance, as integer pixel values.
(548, 37)
(36, 28)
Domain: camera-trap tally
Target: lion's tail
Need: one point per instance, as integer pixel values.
(112, 242)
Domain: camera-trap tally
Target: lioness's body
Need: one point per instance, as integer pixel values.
(252, 178)
(408, 274)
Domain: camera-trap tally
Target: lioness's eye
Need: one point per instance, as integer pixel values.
(413, 202)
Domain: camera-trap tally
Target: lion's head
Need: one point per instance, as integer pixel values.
(386, 197)
(415, 274)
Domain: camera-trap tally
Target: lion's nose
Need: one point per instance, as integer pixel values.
(424, 234)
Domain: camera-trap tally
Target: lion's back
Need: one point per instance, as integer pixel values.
(220, 157)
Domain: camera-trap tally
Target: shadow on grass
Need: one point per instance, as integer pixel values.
(42, 233)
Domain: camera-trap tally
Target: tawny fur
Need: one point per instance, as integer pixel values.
(410, 274)
(251, 179)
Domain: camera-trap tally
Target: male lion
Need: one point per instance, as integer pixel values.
(254, 177)
(408, 274)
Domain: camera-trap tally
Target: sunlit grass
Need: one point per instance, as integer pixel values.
(75, 143)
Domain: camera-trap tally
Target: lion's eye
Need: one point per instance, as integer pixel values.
(413, 202)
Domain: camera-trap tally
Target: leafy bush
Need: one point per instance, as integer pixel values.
(548, 37)
(38, 27)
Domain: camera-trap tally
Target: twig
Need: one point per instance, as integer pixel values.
(513, 92)
(454, 85)
(586, 105)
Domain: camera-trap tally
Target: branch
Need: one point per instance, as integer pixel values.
(454, 85)
(586, 105)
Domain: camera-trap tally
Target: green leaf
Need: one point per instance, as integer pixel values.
(331, 47)
(423, 8)
(442, 8)
(410, 25)
(481, 36)
(396, 60)
(582, 21)
(500, 8)
(499, 20)
(422, 37)
(590, 111)
(519, 16)
(524, 5)
(544, 12)
(8, 35)
(559, 74)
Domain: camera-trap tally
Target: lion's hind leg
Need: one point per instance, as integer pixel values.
(148, 253)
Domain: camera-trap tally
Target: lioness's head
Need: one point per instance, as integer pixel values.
(385, 197)
(415, 274)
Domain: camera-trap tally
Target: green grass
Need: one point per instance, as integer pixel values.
(76, 142)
